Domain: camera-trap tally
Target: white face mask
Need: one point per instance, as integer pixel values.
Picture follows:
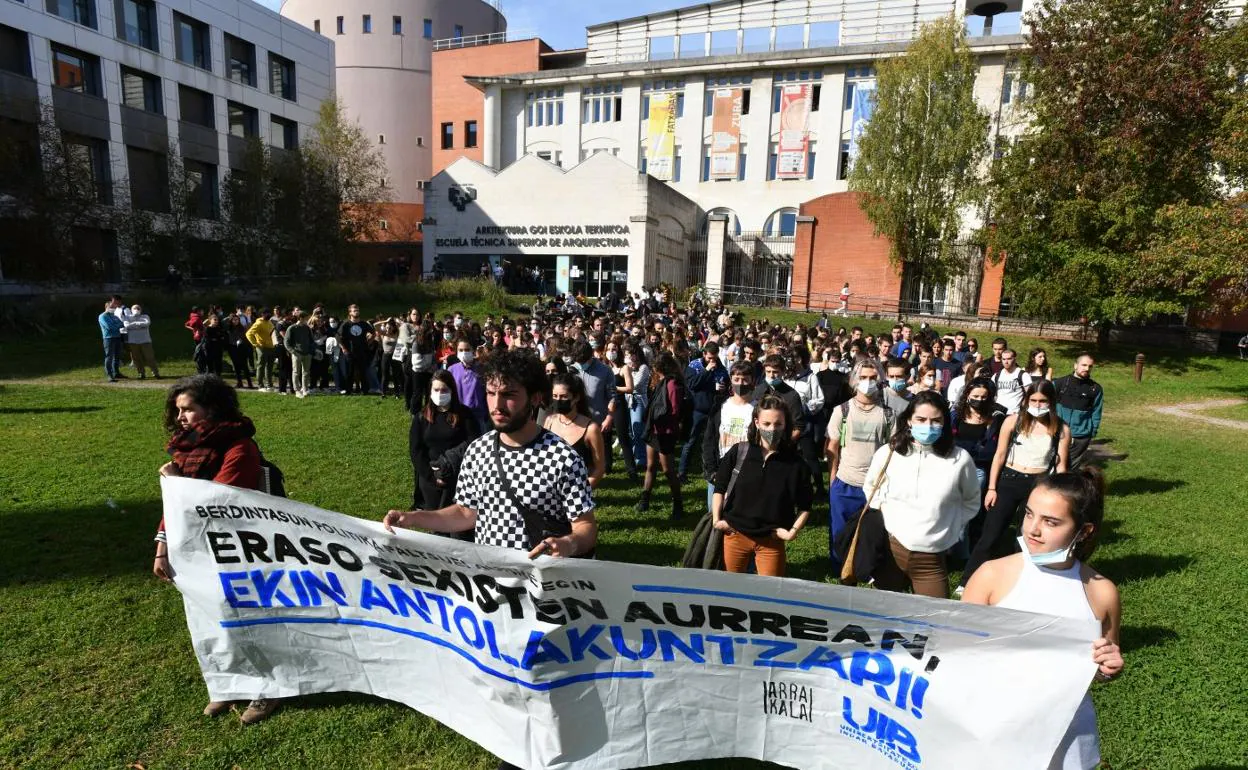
(1037, 411)
(441, 398)
(458, 322)
(1051, 557)
(612, 356)
(466, 356)
(866, 387)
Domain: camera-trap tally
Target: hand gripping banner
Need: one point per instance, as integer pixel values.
(593, 664)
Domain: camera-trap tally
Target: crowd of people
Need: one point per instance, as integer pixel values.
(938, 455)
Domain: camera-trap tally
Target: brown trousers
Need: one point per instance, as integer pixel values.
(768, 553)
(902, 568)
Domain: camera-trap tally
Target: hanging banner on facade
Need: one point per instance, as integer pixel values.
(726, 132)
(661, 136)
(863, 107)
(566, 663)
(794, 131)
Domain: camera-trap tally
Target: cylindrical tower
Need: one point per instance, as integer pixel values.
(383, 54)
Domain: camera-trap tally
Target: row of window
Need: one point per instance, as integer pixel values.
(396, 26)
(782, 221)
(470, 135)
(750, 40)
(137, 25)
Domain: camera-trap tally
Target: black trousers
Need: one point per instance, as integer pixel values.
(1013, 489)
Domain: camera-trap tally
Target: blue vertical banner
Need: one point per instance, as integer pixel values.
(863, 108)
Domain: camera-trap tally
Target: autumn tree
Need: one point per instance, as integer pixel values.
(919, 158)
(1097, 203)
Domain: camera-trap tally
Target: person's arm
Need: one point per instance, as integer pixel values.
(815, 400)
(1107, 605)
(1097, 403)
(799, 416)
(594, 436)
(1063, 449)
(980, 589)
(452, 518)
(627, 387)
(138, 322)
(833, 448)
(723, 477)
(803, 498)
(253, 335)
(998, 460)
(710, 443)
(577, 495)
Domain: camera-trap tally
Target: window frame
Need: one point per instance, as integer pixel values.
(426, 29)
(152, 28)
(251, 118)
(290, 132)
(200, 55)
(396, 25)
(285, 79)
(471, 134)
(239, 70)
(81, 12)
(147, 79)
(448, 136)
(89, 68)
(366, 23)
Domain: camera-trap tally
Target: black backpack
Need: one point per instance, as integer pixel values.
(272, 480)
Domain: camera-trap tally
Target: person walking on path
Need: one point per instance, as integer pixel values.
(1080, 400)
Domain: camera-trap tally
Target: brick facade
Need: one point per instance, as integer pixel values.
(457, 102)
(837, 243)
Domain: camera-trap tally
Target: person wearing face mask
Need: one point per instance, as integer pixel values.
(898, 373)
(567, 420)
(1033, 444)
(925, 378)
(925, 488)
(639, 400)
(442, 424)
(729, 424)
(856, 429)
(707, 383)
(1050, 575)
(468, 383)
(773, 384)
(662, 428)
(977, 421)
(758, 522)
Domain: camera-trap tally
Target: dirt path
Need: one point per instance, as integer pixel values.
(1192, 411)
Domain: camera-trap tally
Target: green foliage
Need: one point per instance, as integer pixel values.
(918, 161)
(1128, 98)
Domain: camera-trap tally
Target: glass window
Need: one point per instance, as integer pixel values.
(148, 176)
(693, 45)
(662, 47)
(244, 120)
(76, 71)
(283, 133)
(842, 171)
(448, 136)
(1007, 88)
(428, 31)
(756, 39)
(741, 165)
(470, 133)
(282, 77)
(196, 106)
(771, 164)
(191, 37)
(136, 23)
(340, 25)
(78, 11)
(14, 51)
(90, 155)
(141, 91)
(201, 181)
(810, 161)
(316, 26)
(240, 60)
(825, 33)
(849, 96)
(782, 223)
(788, 37)
(396, 25)
(723, 42)
(706, 163)
(368, 24)
(676, 167)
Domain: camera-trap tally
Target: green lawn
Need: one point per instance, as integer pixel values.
(97, 669)
(1237, 412)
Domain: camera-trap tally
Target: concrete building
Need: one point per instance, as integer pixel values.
(383, 60)
(130, 79)
(790, 75)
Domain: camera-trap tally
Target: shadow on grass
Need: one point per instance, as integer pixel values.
(1110, 534)
(1143, 486)
(1169, 361)
(1139, 637)
(51, 409)
(43, 545)
(657, 554)
(1141, 566)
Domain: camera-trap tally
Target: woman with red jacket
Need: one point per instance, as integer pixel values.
(211, 440)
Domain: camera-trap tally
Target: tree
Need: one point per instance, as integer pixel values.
(1128, 97)
(50, 188)
(918, 163)
(251, 237)
(340, 179)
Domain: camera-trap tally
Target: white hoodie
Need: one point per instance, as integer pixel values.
(138, 329)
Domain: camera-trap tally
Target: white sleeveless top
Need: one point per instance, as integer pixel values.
(1061, 593)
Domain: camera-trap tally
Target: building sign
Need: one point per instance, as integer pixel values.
(539, 239)
(794, 131)
(661, 136)
(726, 132)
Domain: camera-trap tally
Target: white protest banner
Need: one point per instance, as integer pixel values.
(585, 664)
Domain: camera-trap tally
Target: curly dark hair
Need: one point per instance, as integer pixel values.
(209, 391)
(520, 367)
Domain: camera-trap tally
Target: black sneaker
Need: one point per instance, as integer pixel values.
(643, 503)
(683, 479)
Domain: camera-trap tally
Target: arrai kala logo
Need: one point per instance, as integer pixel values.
(461, 195)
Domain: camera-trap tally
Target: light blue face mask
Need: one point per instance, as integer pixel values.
(927, 433)
(1047, 559)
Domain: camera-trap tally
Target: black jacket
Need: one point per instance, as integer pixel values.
(779, 488)
(790, 398)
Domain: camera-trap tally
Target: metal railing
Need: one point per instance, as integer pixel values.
(469, 41)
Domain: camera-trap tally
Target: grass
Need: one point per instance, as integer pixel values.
(1237, 412)
(97, 666)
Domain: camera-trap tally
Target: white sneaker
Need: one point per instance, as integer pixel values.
(959, 591)
(300, 394)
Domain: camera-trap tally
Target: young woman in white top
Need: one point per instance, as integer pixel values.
(1038, 365)
(1060, 524)
(927, 491)
(1034, 442)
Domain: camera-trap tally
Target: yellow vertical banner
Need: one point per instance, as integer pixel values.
(661, 136)
(726, 132)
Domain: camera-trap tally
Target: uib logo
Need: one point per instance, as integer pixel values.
(461, 195)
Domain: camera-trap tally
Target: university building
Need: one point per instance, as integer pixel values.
(746, 114)
(129, 81)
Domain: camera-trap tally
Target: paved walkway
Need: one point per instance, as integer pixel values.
(1193, 411)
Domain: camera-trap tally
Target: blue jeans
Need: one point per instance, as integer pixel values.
(113, 347)
(844, 501)
(696, 429)
(637, 415)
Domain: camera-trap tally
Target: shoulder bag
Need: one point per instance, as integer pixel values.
(536, 526)
(847, 568)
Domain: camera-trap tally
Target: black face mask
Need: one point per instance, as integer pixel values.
(560, 406)
(981, 405)
(741, 390)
